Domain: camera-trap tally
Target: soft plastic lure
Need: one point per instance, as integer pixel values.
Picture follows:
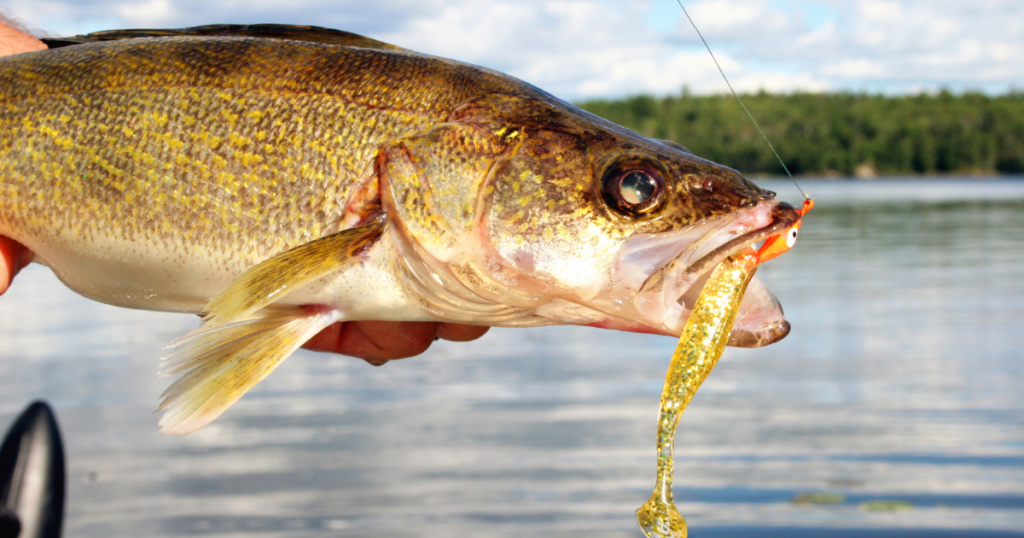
(700, 346)
(702, 342)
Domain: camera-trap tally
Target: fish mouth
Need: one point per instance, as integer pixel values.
(668, 294)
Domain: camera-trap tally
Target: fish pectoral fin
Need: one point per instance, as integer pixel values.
(221, 364)
(275, 278)
(244, 336)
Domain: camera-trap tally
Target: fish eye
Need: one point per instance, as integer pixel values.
(634, 188)
(637, 187)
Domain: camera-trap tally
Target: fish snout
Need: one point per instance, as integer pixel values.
(784, 215)
(720, 190)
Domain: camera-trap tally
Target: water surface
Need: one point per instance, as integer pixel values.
(901, 382)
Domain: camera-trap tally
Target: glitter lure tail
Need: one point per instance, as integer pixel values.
(700, 346)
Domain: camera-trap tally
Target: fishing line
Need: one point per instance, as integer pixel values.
(737, 96)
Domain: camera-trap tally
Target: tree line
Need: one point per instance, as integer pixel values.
(837, 133)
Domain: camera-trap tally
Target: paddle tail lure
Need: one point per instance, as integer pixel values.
(701, 345)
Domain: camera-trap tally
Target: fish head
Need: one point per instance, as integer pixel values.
(531, 211)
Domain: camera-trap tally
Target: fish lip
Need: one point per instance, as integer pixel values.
(769, 335)
(659, 297)
(784, 216)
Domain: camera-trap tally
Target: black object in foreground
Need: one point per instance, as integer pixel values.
(32, 476)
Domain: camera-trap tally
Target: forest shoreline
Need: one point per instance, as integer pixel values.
(838, 134)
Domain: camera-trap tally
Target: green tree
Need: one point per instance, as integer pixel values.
(837, 133)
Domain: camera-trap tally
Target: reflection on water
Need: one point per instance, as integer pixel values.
(900, 382)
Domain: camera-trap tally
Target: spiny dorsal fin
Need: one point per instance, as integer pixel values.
(312, 34)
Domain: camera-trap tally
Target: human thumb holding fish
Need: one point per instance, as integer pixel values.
(377, 342)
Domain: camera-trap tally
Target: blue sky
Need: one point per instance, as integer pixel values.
(608, 48)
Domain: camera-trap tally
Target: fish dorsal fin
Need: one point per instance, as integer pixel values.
(311, 34)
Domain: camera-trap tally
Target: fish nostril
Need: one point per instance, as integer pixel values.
(707, 185)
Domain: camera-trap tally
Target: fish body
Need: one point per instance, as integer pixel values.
(278, 179)
(150, 173)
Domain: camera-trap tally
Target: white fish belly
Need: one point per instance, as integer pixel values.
(146, 276)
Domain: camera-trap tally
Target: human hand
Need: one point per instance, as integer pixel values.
(14, 256)
(377, 342)
(13, 41)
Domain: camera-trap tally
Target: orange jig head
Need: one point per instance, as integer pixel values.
(778, 245)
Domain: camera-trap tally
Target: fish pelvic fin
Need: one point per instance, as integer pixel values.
(221, 364)
(276, 277)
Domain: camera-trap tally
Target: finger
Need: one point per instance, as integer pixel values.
(457, 332)
(13, 257)
(13, 41)
(376, 341)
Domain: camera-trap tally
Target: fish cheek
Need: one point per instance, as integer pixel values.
(542, 215)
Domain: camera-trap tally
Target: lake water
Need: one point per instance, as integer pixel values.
(901, 382)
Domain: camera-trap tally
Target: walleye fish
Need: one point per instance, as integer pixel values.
(278, 179)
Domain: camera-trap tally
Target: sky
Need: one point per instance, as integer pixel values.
(580, 49)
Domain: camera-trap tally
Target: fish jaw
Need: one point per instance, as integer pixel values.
(760, 320)
(657, 278)
(662, 296)
(669, 293)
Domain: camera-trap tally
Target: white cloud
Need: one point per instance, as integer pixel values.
(148, 13)
(590, 48)
(879, 11)
(855, 68)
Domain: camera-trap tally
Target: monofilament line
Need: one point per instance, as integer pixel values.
(737, 96)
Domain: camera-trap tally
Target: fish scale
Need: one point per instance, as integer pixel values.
(225, 157)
